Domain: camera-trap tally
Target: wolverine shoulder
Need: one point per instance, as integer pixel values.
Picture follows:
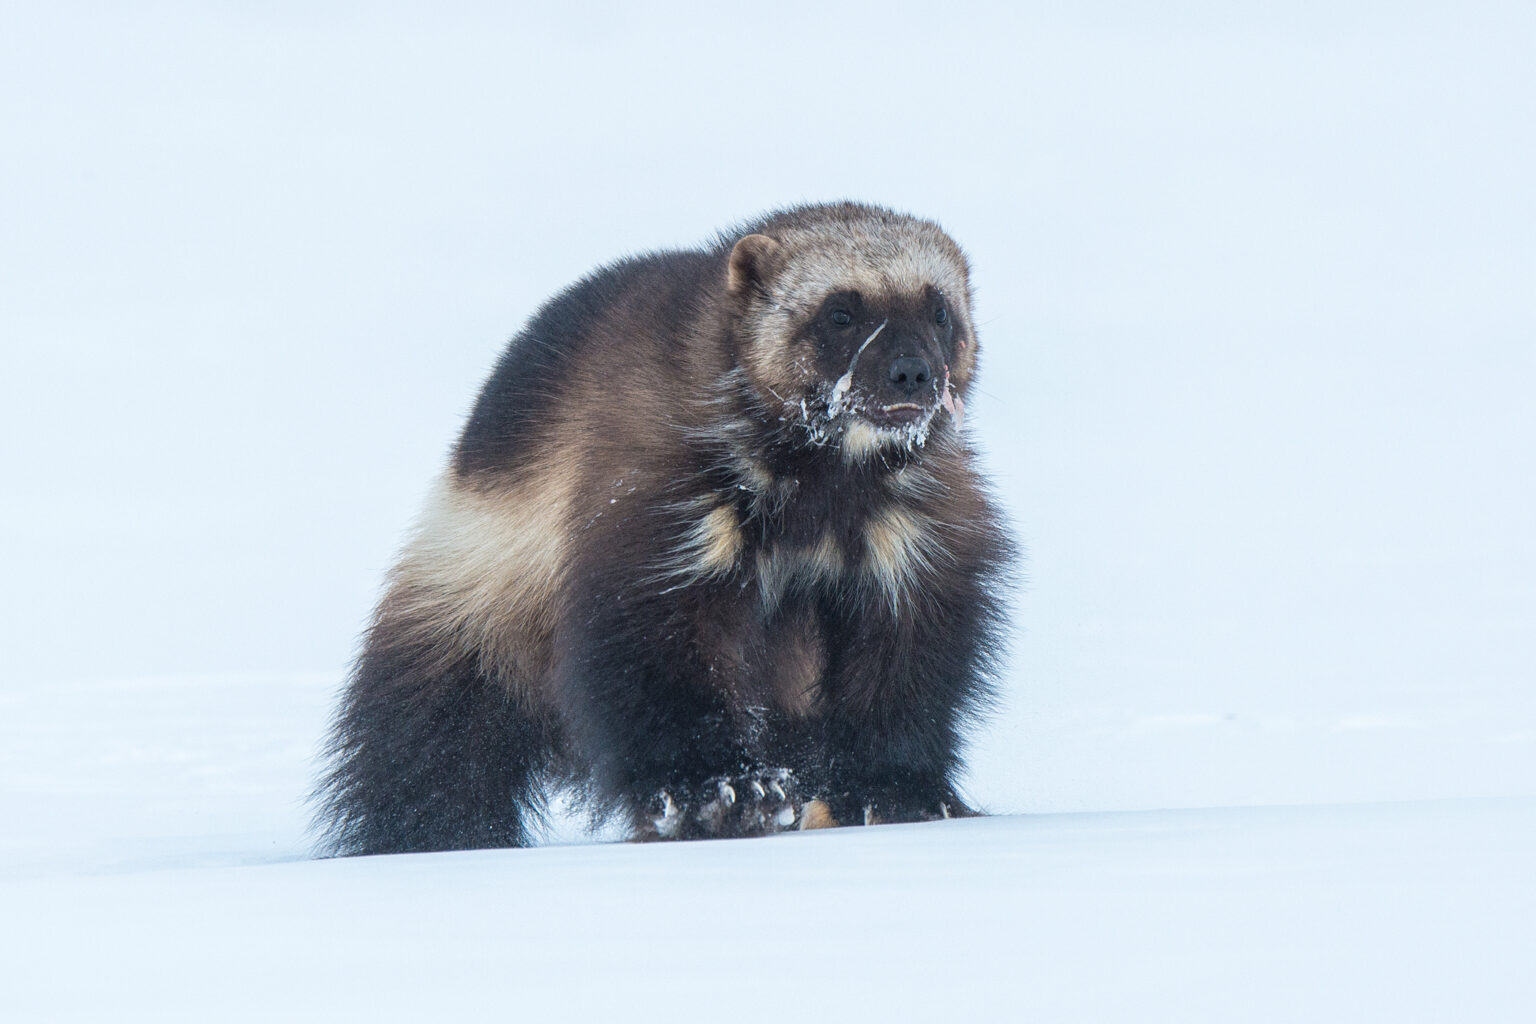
(619, 320)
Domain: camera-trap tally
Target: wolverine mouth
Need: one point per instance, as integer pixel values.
(901, 414)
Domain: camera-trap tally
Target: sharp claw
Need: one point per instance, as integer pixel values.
(668, 822)
(778, 791)
(758, 790)
(727, 794)
(944, 808)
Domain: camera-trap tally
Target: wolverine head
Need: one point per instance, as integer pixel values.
(854, 322)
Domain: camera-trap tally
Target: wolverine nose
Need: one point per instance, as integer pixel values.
(910, 373)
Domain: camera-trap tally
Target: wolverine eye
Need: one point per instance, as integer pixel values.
(841, 317)
(941, 317)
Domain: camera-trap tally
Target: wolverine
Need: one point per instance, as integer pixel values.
(711, 550)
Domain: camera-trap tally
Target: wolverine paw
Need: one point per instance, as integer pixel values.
(754, 803)
(890, 810)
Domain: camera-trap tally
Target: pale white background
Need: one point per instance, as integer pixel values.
(1257, 285)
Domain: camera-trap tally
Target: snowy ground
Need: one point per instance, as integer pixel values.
(155, 868)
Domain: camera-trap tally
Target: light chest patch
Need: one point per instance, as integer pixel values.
(899, 546)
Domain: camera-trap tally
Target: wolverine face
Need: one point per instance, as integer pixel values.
(857, 329)
(888, 360)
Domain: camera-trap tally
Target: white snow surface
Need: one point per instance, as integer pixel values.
(1256, 289)
(156, 868)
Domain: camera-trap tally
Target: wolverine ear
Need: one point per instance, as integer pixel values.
(749, 264)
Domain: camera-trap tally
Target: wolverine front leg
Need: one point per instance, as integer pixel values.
(653, 690)
(905, 679)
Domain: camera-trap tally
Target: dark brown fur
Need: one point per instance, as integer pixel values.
(677, 563)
